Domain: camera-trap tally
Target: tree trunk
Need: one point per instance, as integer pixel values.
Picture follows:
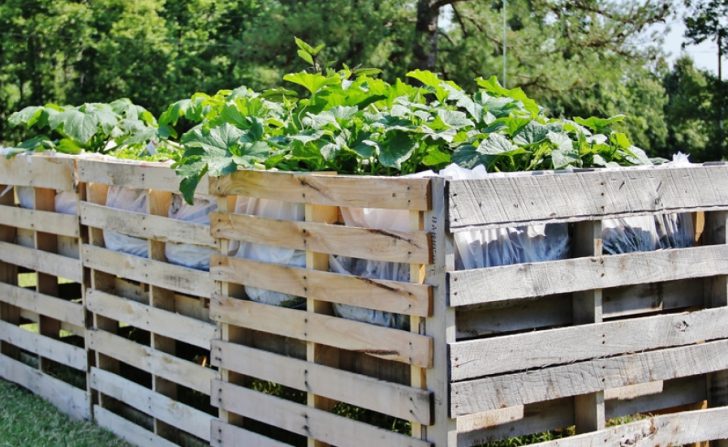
(425, 44)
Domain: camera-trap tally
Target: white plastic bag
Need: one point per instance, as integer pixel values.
(127, 199)
(66, 202)
(504, 246)
(191, 255)
(271, 209)
(380, 219)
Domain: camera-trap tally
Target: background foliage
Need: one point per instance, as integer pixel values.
(577, 57)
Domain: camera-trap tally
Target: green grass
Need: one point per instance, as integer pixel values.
(27, 420)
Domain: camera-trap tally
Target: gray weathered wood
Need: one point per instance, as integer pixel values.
(668, 394)
(512, 199)
(586, 377)
(485, 285)
(671, 429)
(488, 356)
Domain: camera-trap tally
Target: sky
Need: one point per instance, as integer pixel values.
(705, 55)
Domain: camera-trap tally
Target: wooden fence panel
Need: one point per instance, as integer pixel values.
(42, 316)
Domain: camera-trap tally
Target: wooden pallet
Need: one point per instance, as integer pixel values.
(638, 339)
(42, 316)
(292, 376)
(151, 332)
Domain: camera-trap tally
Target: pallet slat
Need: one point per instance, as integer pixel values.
(143, 399)
(38, 220)
(41, 261)
(384, 397)
(43, 346)
(158, 321)
(67, 398)
(388, 296)
(42, 304)
(671, 429)
(136, 174)
(148, 226)
(39, 171)
(496, 355)
(318, 189)
(586, 377)
(128, 430)
(364, 243)
(516, 199)
(158, 363)
(468, 287)
(158, 273)
(392, 344)
(229, 435)
(303, 420)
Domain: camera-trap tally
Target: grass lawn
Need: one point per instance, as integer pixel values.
(27, 420)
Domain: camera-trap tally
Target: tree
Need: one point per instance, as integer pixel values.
(708, 20)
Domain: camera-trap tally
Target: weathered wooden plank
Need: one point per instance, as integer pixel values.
(513, 316)
(67, 398)
(640, 398)
(621, 302)
(40, 171)
(318, 189)
(128, 430)
(311, 422)
(388, 296)
(384, 397)
(41, 261)
(364, 243)
(670, 429)
(132, 174)
(488, 356)
(43, 346)
(158, 273)
(37, 220)
(158, 363)
(391, 344)
(469, 287)
(42, 304)
(514, 199)
(146, 226)
(158, 321)
(229, 435)
(503, 423)
(586, 377)
(157, 405)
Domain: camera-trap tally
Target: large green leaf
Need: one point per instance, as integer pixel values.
(79, 125)
(313, 82)
(396, 148)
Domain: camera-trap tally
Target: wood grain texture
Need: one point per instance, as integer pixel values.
(586, 377)
(318, 189)
(363, 243)
(229, 435)
(158, 273)
(43, 346)
(388, 296)
(671, 429)
(169, 324)
(514, 199)
(42, 304)
(146, 226)
(484, 357)
(132, 174)
(391, 344)
(67, 398)
(485, 285)
(154, 404)
(663, 395)
(155, 362)
(310, 422)
(38, 220)
(128, 430)
(41, 261)
(38, 170)
(356, 389)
